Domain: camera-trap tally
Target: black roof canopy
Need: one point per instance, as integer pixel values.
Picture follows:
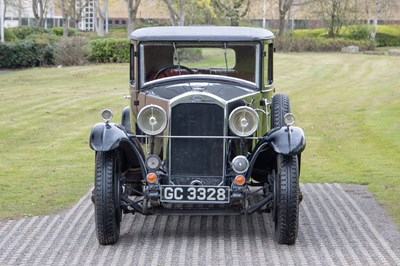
(201, 33)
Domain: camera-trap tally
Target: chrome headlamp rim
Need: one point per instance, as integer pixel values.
(153, 162)
(242, 159)
(107, 115)
(289, 119)
(152, 120)
(244, 122)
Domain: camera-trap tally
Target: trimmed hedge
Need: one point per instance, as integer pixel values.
(310, 44)
(384, 39)
(59, 31)
(24, 31)
(387, 35)
(27, 53)
(109, 50)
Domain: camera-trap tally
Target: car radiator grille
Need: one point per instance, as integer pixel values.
(197, 157)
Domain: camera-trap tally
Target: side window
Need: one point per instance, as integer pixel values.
(132, 64)
(268, 63)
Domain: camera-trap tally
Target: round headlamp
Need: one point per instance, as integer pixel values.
(153, 162)
(240, 164)
(243, 121)
(289, 119)
(106, 114)
(152, 120)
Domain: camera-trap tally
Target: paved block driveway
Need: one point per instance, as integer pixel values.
(339, 225)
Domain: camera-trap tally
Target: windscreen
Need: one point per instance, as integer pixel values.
(164, 60)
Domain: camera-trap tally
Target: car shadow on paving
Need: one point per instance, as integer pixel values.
(339, 225)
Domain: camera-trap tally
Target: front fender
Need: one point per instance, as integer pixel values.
(106, 137)
(287, 140)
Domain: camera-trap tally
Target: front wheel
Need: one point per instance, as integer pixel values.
(280, 106)
(286, 199)
(107, 191)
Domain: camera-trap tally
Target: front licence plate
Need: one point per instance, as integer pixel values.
(194, 194)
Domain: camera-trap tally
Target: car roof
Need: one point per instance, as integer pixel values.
(201, 33)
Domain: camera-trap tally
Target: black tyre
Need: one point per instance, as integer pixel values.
(286, 199)
(279, 107)
(107, 191)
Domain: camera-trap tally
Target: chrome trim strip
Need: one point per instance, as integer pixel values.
(198, 137)
(267, 90)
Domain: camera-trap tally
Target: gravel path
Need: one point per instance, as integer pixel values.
(339, 225)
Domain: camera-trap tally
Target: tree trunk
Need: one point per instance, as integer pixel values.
(281, 24)
(19, 12)
(65, 27)
(39, 9)
(376, 17)
(100, 28)
(99, 22)
(177, 17)
(2, 20)
(133, 6)
(182, 12)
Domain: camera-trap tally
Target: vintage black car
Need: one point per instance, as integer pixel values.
(204, 133)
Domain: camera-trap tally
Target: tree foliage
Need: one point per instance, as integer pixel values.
(198, 12)
(235, 10)
(177, 11)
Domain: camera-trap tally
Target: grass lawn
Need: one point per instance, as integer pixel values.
(348, 106)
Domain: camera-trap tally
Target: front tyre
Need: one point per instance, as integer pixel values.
(280, 106)
(287, 199)
(107, 210)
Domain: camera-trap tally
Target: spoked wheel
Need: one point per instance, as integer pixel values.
(107, 203)
(286, 199)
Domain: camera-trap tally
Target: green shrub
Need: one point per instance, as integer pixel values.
(309, 33)
(43, 38)
(26, 53)
(9, 35)
(109, 50)
(59, 31)
(117, 32)
(388, 36)
(71, 51)
(24, 31)
(358, 32)
(309, 44)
